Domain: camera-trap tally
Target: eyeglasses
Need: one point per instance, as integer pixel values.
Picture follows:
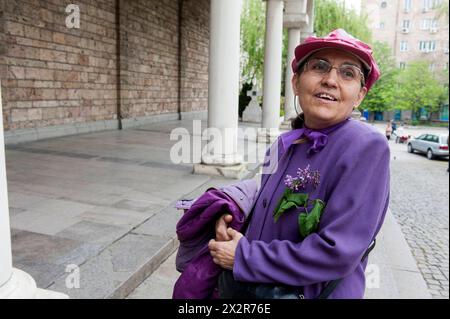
(346, 72)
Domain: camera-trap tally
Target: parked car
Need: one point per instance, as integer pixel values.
(434, 145)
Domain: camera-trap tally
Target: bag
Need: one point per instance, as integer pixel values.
(232, 289)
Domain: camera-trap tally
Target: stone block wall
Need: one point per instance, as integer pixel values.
(194, 55)
(149, 57)
(54, 75)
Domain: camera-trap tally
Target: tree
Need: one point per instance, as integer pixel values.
(330, 15)
(382, 95)
(442, 10)
(418, 88)
(252, 40)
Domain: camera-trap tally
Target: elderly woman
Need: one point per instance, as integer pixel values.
(317, 213)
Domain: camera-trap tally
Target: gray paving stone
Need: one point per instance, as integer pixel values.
(46, 257)
(102, 275)
(139, 205)
(115, 217)
(162, 224)
(95, 233)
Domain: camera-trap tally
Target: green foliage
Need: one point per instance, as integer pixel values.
(252, 40)
(382, 95)
(418, 88)
(442, 11)
(308, 223)
(330, 15)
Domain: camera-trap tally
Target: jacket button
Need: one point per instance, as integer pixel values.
(264, 202)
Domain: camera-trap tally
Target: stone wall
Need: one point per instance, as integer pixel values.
(194, 55)
(52, 75)
(149, 57)
(56, 75)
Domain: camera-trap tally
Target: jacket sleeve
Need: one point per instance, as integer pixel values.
(357, 201)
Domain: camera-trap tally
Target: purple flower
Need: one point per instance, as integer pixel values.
(304, 177)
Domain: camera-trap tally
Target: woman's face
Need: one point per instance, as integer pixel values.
(341, 97)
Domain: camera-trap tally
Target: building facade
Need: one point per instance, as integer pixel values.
(127, 62)
(414, 31)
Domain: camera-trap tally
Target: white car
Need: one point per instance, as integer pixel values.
(434, 145)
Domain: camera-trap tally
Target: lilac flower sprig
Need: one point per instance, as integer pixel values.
(304, 177)
(308, 221)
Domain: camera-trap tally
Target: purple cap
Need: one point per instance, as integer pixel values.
(339, 39)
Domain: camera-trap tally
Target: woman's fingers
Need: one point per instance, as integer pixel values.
(221, 227)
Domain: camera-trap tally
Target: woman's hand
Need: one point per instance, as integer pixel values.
(223, 251)
(221, 227)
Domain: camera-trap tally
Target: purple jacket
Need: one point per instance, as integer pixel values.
(354, 184)
(197, 226)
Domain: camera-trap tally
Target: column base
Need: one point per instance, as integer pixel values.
(267, 135)
(234, 171)
(22, 286)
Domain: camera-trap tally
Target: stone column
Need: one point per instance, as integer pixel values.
(297, 21)
(221, 157)
(5, 236)
(272, 71)
(14, 283)
(289, 109)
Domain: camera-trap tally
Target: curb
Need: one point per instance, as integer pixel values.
(399, 276)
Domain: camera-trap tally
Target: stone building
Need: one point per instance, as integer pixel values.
(128, 63)
(414, 31)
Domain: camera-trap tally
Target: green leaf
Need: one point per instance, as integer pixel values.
(289, 200)
(299, 198)
(283, 207)
(308, 223)
(286, 193)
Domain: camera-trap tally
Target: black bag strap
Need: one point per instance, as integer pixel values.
(329, 288)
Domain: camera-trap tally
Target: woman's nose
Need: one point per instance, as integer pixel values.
(331, 78)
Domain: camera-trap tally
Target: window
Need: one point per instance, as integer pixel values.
(434, 23)
(403, 46)
(381, 26)
(427, 46)
(429, 138)
(425, 24)
(432, 45)
(402, 65)
(427, 5)
(405, 24)
(407, 5)
(383, 4)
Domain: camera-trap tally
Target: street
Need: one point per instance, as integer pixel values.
(420, 202)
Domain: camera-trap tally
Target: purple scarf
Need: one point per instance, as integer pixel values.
(319, 138)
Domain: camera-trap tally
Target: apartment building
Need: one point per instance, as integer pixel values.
(414, 31)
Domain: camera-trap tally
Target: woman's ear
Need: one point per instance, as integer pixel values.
(294, 81)
(362, 93)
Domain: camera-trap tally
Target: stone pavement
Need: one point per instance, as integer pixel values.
(103, 202)
(98, 207)
(420, 203)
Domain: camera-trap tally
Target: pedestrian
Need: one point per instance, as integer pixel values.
(388, 130)
(321, 207)
(394, 126)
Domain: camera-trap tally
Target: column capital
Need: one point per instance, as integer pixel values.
(295, 20)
